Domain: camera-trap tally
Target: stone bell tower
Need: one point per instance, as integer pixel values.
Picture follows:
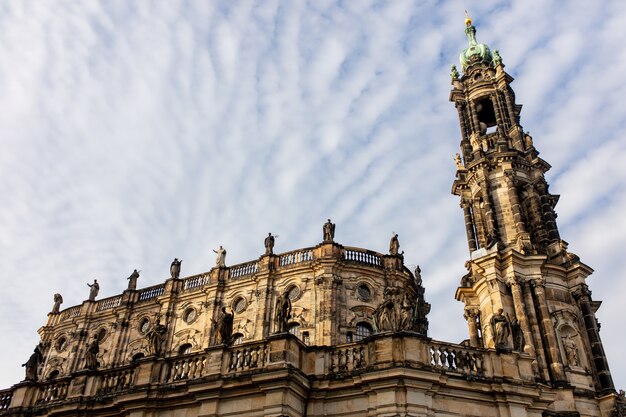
(518, 262)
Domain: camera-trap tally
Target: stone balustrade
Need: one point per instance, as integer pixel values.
(242, 270)
(376, 354)
(363, 256)
(247, 358)
(295, 257)
(348, 359)
(116, 380)
(70, 313)
(234, 272)
(109, 303)
(196, 281)
(455, 358)
(186, 368)
(5, 399)
(53, 391)
(151, 292)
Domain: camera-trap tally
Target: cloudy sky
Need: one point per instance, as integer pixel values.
(136, 132)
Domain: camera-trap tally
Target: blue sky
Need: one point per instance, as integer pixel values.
(136, 132)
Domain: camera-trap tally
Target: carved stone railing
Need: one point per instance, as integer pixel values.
(116, 381)
(186, 367)
(362, 256)
(196, 281)
(70, 313)
(248, 357)
(151, 292)
(242, 270)
(52, 391)
(109, 303)
(456, 358)
(295, 257)
(348, 358)
(5, 398)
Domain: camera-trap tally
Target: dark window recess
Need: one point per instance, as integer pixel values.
(184, 349)
(486, 114)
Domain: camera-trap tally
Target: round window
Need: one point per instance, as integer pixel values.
(239, 305)
(294, 293)
(144, 325)
(190, 315)
(60, 344)
(364, 292)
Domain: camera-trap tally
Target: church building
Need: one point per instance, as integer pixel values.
(333, 330)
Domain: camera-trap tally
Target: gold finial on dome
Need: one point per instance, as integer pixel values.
(468, 20)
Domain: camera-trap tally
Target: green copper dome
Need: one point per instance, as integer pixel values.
(475, 52)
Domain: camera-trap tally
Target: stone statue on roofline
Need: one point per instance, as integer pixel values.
(329, 231)
(175, 268)
(269, 244)
(220, 259)
(132, 280)
(394, 245)
(32, 364)
(94, 289)
(58, 300)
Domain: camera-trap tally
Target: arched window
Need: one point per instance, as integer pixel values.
(363, 330)
(54, 374)
(237, 339)
(184, 349)
(294, 329)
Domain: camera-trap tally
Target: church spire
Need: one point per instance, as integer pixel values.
(521, 275)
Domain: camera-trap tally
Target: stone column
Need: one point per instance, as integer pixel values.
(489, 215)
(466, 147)
(547, 327)
(520, 314)
(582, 296)
(471, 314)
(479, 222)
(548, 211)
(510, 105)
(496, 110)
(469, 226)
(533, 323)
(520, 228)
(535, 213)
(474, 118)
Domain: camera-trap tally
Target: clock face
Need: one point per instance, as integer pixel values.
(144, 326)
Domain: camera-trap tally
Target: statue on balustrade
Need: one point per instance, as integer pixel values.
(394, 245)
(132, 280)
(156, 338)
(32, 364)
(501, 330)
(329, 231)
(220, 260)
(282, 313)
(269, 244)
(93, 290)
(175, 268)
(91, 355)
(224, 326)
(58, 300)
